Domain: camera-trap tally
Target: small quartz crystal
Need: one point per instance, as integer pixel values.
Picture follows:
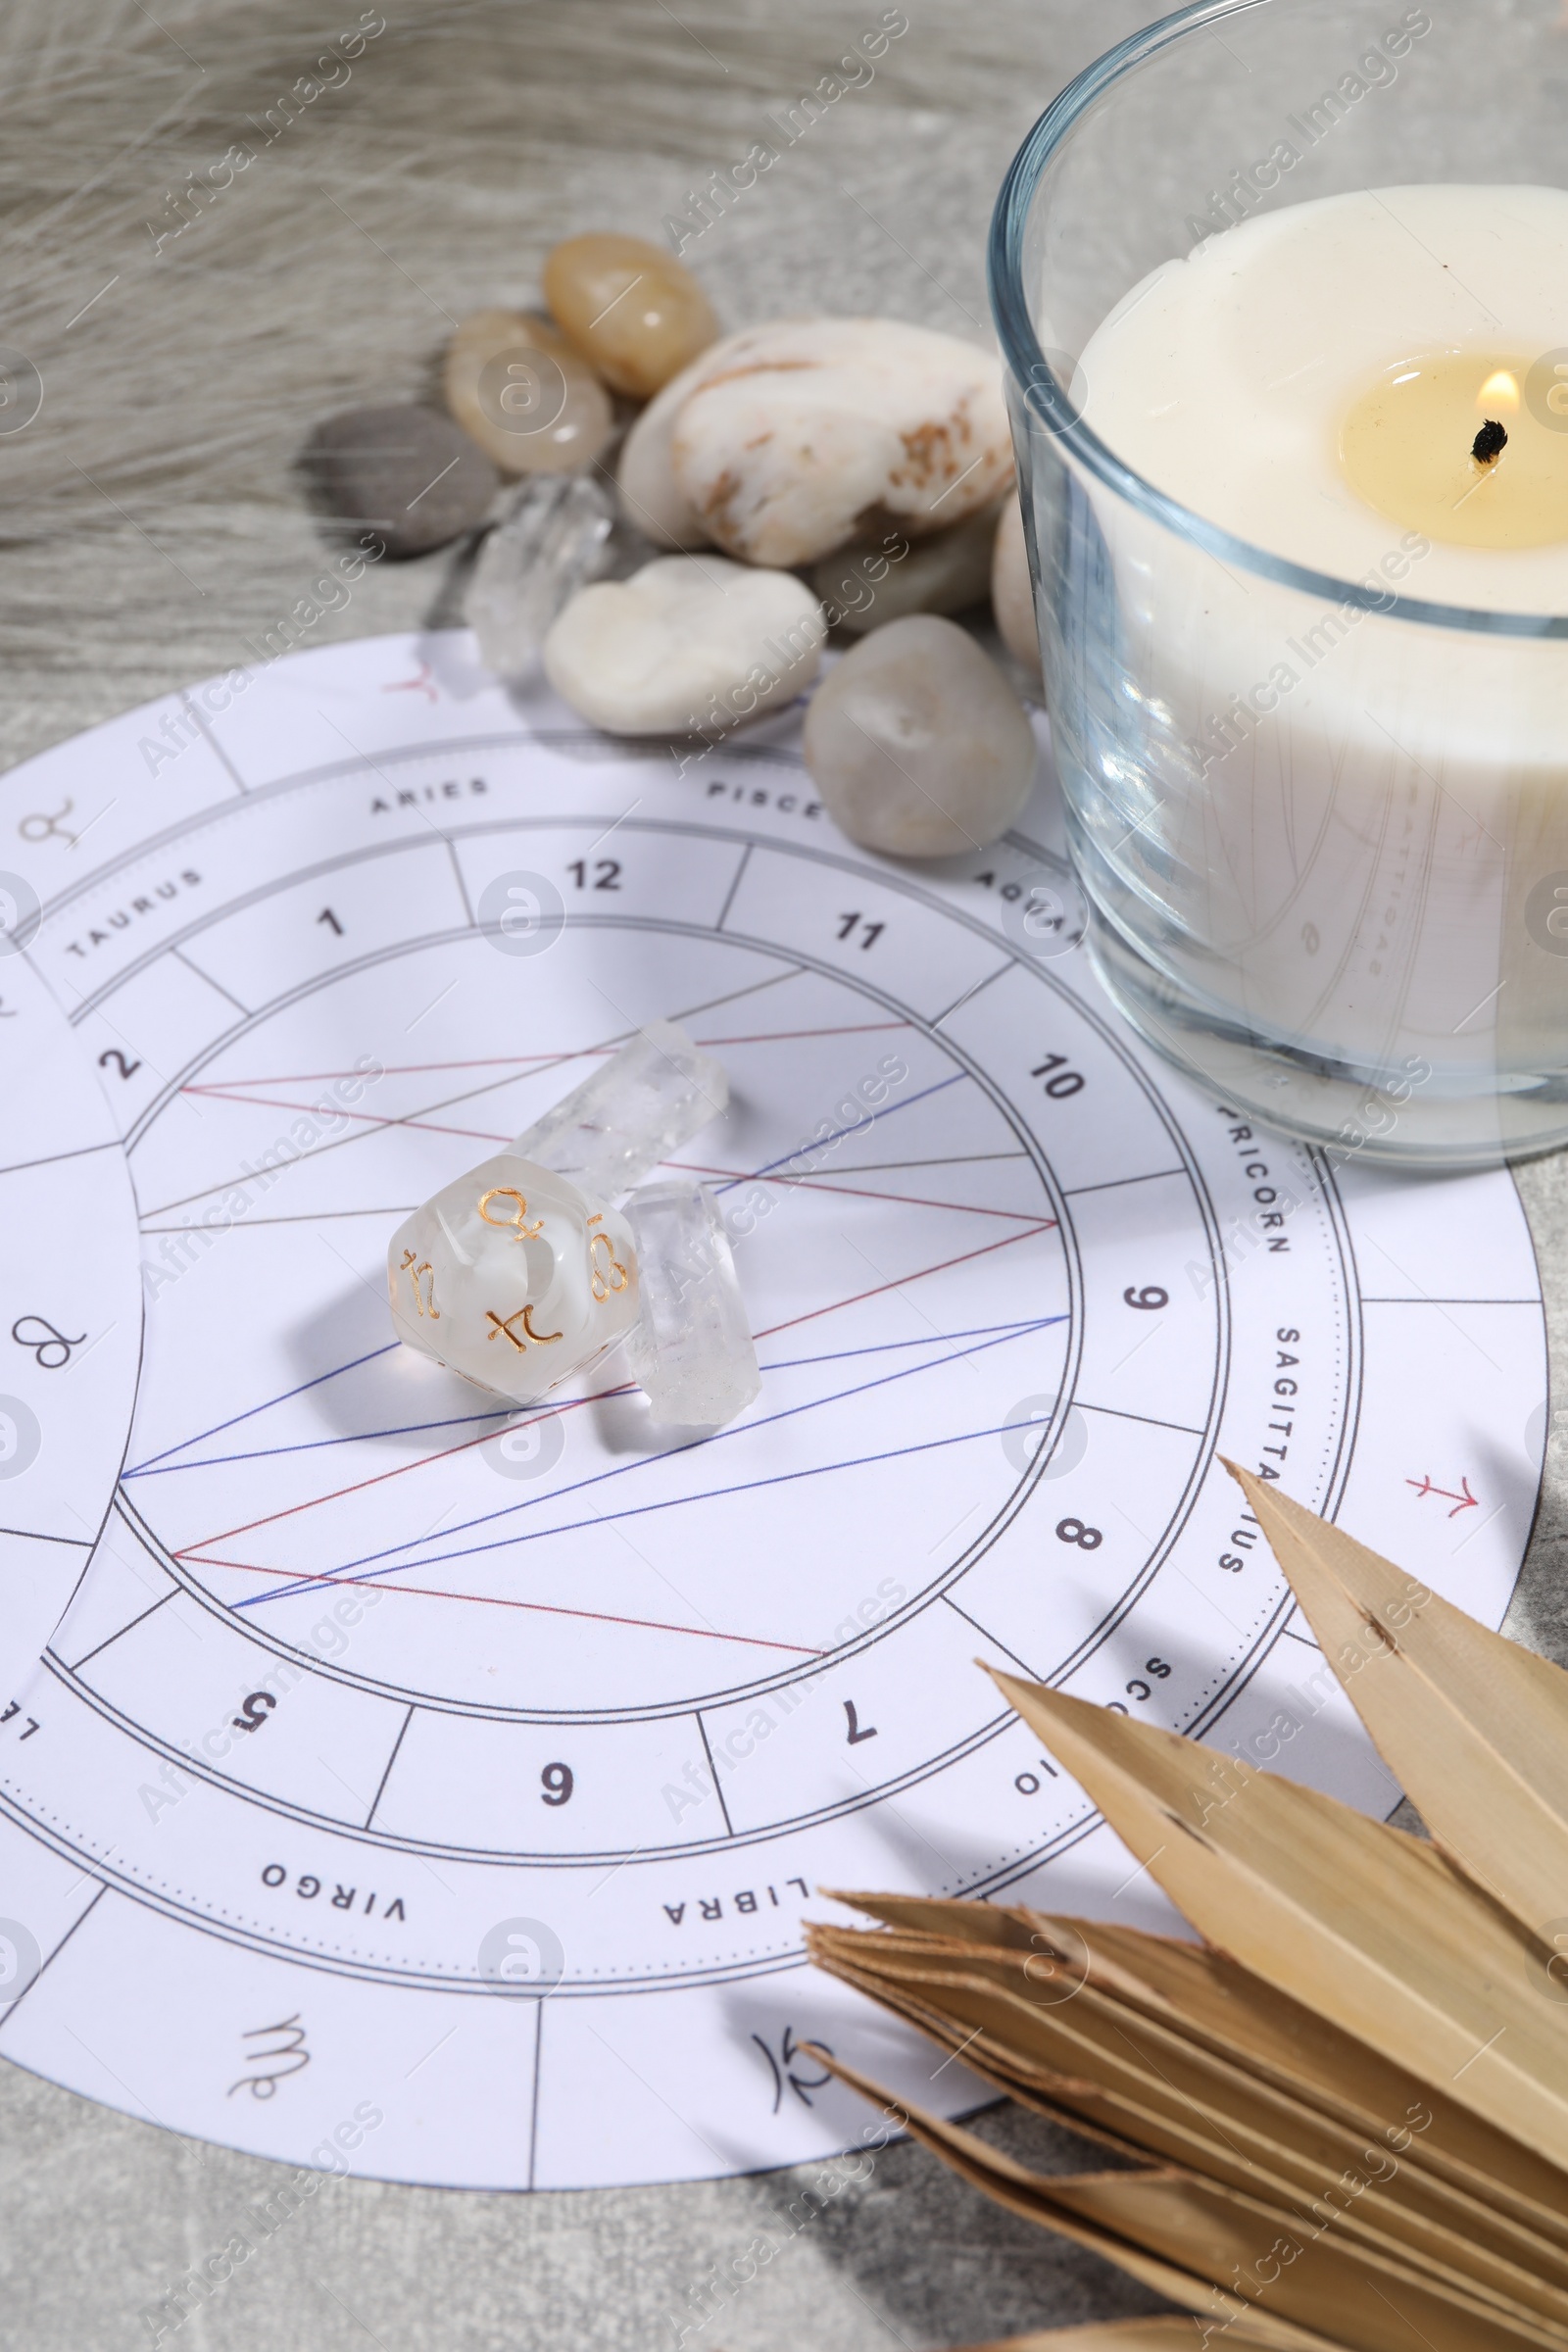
(644, 1104)
(550, 543)
(692, 1348)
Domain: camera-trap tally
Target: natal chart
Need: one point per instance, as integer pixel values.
(446, 1784)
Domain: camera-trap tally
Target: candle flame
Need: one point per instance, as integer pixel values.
(1500, 391)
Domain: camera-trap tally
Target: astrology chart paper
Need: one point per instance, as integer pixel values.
(439, 1789)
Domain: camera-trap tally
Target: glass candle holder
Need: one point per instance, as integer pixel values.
(1257, 275)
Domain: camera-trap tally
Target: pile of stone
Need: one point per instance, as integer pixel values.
(805, 475)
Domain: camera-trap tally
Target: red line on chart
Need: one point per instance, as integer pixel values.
(488, 1086)
(1046, 1225)
(368, 1119)
(497, 1600)
(524, 1062)
(857, 1191)
(445, 1452)
(401, 1470)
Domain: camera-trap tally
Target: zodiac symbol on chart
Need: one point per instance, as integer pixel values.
(1462, 1503)
(516, 1224)
(289, 2045)
(610, 1276)
(417, 1273)
(54, 1349)
(783, 2069)
(51, 827)
(423, 683)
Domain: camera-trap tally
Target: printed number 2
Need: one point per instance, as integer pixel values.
(112, 1053)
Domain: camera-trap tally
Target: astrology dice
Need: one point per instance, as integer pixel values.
(510, 1277)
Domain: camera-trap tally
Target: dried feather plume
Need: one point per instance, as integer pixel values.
(1347, 2105)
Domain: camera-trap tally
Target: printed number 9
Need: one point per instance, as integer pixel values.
(1073, 1530)
(558, 1784)
(1151, 1297)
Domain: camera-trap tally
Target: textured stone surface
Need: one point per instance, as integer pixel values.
(882, 577)
(636, 312)
(806, 429)
(407, 474)
(513, 137)
(917, 743)
(651, 500)
(688, 644)
(525, 394)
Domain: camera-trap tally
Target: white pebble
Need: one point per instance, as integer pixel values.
(797, 434)
(689, 644)
(1012, 596)
(651, 499)
(918, 744)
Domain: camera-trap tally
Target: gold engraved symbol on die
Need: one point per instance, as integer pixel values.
(425, 1273)
(516, 1224)
(524, 1316)
(608, 1276)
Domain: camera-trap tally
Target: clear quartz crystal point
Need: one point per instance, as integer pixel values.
(647, 1101)
(691, 1347)
(550, 542)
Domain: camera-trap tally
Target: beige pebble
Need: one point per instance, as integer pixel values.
(918, 744)
(637, 312)
(687, 645)
(796, 435)
(525, 394)
(881, 578)
(1012, 596)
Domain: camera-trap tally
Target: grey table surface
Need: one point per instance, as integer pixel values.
(152, 531)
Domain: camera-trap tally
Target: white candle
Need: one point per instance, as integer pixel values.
(1352, 811)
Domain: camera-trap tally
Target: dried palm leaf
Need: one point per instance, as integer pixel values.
(1346, 2112)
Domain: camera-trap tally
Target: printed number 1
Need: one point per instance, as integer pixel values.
(873, 931)
(327, 917)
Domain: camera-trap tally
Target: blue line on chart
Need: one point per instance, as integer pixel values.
(304, 1584)
(640, 1510)
(822, 1142)
(252, 1410)
(406, 1429)
(817, 1145)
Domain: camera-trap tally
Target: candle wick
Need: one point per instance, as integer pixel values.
(1489, 443)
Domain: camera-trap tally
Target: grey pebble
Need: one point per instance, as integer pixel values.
(918, 744)
(407, 474)
(878, 580)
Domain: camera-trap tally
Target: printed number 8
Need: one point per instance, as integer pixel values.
(1073, 1530)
